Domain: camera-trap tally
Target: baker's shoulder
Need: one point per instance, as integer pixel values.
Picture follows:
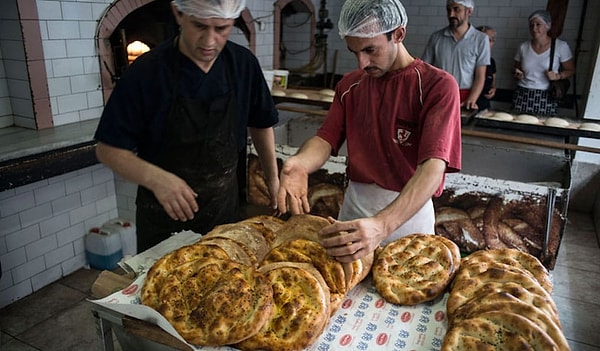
(238, 52)
(431, 72)
(349, 81)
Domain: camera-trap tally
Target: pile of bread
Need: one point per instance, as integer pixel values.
(258, 284)
(325, 190)
(268, 284)
(500, 300)
(476, 221)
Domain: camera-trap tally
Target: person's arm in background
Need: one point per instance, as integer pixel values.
(476, 88)
(490, 93)
(567, 70)
(517, 71)
(264, 142)
(293, 190)
(173, 193)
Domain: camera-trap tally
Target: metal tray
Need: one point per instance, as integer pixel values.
(481, 119)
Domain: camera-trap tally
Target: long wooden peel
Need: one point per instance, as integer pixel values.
(476, 133)
(302, 110)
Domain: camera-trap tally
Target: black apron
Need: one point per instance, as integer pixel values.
(200, 146)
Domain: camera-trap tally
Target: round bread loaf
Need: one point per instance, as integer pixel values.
(327, 92)
(497, 331)
(528, 119)
(303, 226)
(594, 127)
(278, 92)
(298, 95)
(213, 302)
(248, 235)
(480, 261)
(167, 264)
(556, 122)
(414, 269)
(502, 116)
(312, 252)
(492, 279)
(507, 293)
(301, 310)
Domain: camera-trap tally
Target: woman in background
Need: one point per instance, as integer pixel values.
(531, 71)
(489, 86)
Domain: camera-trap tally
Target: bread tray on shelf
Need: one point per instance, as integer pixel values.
(486, 118)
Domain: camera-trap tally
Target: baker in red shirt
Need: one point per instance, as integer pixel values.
(400, 119)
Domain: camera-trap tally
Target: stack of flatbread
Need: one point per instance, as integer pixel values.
(415, 269)
(500, 300)
(258, 284)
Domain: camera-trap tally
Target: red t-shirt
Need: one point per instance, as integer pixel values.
(393, 123)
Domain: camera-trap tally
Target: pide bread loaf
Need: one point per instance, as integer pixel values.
(248, 235)
(304, 226)
(510, 258)
(508, 293)
(528, 119)
(497, 331)
(268, 284)
(594, 127)
(298, 96)
(268, 226)
(301, 312)
(166, 265)
(213, 302)
(532, 313)
(502, 116)
(556, 122)
(500, 300)
(235, 251)
(312, 252)
(327, 92)
(413, 269)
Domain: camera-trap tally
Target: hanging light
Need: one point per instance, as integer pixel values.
(135, 49)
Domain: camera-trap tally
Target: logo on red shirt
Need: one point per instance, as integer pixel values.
(402, 136)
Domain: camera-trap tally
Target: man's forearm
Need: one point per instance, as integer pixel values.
(127, 164)
(419, 189)
(314, 153)
(264, 142)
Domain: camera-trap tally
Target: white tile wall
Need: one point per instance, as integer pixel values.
(42, 226)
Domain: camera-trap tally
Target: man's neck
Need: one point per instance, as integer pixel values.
(459, 32)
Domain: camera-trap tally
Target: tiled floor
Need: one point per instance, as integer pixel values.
(58, 317)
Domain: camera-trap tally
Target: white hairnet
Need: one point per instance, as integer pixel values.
(370, 18)
(465, 3)
(229, 9)
(543, 15)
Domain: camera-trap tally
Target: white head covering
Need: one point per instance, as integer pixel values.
(543, 15)
(466, 3)
(228, 9)
(370, 18)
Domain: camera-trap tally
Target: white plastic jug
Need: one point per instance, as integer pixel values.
(126, 230)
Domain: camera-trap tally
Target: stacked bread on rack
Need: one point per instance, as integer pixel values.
(476, 221)
(258, 284)
(325, 190)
